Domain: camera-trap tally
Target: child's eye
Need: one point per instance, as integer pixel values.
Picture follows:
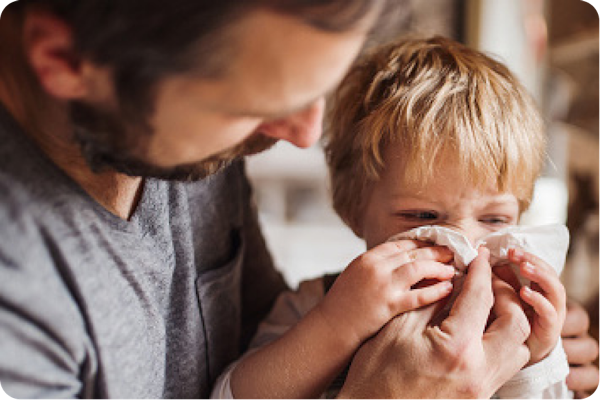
(495, 220)
(419, 215)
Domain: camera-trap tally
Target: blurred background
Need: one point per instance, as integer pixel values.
(552, 46)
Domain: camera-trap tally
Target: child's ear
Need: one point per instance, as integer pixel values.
(48, 43)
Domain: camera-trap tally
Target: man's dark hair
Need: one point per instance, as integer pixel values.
(143, 41)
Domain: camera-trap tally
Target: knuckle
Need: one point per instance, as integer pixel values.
(456, 355)
(520, 326)
(410, 302)
(401, 245)
(410, 270)
(366, 259)
(472, 389)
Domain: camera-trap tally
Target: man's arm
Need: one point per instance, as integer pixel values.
(43, 346)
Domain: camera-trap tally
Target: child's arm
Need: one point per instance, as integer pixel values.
(373, 289)
(545, 374)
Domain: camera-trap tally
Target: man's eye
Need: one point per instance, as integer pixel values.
(419, 215)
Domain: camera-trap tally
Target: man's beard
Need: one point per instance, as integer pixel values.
(108, 143)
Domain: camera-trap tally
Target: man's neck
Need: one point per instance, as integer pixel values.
(50, 129)
(46, 121)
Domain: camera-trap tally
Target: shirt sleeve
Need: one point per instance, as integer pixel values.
(39, 357)
(543, 380)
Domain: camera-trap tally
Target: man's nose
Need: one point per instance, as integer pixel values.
(301, 129)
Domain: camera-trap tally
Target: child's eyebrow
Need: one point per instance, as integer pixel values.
(410, 196)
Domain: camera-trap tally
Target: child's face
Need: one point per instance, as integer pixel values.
(394, 206)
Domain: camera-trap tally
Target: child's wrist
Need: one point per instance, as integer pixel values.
(540, 354)
(337, 326)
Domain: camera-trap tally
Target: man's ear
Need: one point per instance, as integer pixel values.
(48, 42)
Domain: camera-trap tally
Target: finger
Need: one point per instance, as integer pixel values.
(401, 246)
(581, 350)
(577, 321)
(510, 316)
(470, 312)
(413, 272)
(436, 253)
(415, 320)
(507, 274)
(418, 298)
(547, 314)
(505, 338)
(518, 256)
(548, 281)
(389, 249)
(404, 251)
(584, 378)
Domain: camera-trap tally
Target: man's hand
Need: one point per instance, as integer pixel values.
(581, 351)
(460, 358)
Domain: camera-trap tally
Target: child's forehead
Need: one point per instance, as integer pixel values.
(443, 166)
(447, 195)
(441, 176)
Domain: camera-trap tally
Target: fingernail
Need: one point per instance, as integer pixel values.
(517, 253)
(528, 268)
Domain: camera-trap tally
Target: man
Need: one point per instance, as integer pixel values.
(131, 261)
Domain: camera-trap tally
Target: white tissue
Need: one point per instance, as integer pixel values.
(548, 242)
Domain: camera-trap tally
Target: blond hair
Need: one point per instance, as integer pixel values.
(433, 97)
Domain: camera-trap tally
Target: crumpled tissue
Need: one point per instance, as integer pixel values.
(548, 242)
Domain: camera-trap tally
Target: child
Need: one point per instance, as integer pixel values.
(424, 133)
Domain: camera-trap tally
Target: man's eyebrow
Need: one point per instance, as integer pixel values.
(278, 114)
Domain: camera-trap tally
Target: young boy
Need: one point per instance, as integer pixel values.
(435, 142)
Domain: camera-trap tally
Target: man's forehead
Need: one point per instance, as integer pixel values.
(282, 65)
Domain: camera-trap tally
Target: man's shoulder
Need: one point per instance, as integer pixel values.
(39, 317)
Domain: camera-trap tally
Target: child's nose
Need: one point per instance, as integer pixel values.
(301, 129)
(469, 230)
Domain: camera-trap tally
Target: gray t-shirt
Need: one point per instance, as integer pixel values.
(95, 306)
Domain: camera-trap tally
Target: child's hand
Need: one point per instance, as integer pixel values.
(547, 298)
(377, 286)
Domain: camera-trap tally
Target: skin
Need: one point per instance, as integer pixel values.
(448, 200)
(379, 286)
(461, 358)
(372, 290)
